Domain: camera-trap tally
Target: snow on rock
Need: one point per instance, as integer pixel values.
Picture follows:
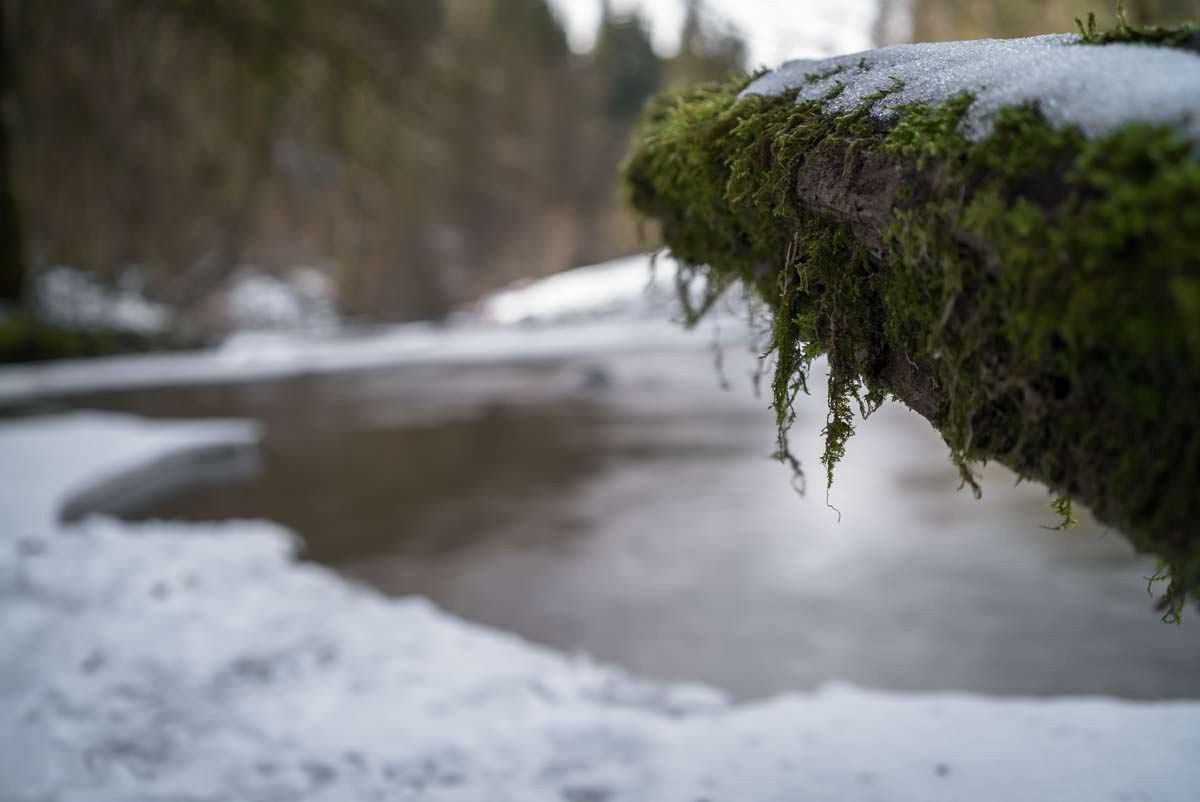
(204, 662)
(1097, 88)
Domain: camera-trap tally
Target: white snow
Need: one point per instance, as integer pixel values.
(259, 300)
(204, 662)
(73, 298)
(253, 356)
(623, 285)
(1097, 88)
(49, 461)
(580, 303)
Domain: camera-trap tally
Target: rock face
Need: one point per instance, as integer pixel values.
(998, 233)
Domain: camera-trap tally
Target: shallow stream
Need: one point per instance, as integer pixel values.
(623, 505)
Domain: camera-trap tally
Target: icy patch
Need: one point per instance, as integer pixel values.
(1097, 88)
(183, 662)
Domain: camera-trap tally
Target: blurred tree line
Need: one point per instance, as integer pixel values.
(420, 152)
(941, 20)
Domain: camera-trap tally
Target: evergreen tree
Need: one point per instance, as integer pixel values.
(706, 52)
(629, 69)
(420, 152)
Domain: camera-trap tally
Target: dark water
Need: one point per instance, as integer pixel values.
(623, 506)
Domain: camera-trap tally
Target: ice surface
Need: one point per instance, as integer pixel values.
(204, 662)
(1097, 88)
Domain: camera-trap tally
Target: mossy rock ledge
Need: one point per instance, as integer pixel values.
(1002, 234)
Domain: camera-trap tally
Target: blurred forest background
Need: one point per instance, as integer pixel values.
(412, 154)
(418, 152)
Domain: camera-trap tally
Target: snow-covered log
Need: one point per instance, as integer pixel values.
(1001, 234)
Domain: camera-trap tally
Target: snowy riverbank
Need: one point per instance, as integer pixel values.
(571, 313)
(173, 661)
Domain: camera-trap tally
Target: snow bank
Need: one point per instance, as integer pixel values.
(171, 662)
(254, 356)
(624, 286)
(74, 299)
(1097, 88)
(47, 462)
(596, 309)
(303, 300)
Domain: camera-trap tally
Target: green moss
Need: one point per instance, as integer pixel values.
(1065, 510)
(1047, 285)
(1184, 35)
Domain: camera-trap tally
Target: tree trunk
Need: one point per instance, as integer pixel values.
(1034, 294)
(12, 247)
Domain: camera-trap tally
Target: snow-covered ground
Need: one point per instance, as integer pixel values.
(173, 661)
(205, 662)
(630, 286)
(567, 314)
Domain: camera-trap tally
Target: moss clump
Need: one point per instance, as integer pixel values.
(1185, 35)
(1035, 294)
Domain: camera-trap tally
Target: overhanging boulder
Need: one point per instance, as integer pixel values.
(1004, 235)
